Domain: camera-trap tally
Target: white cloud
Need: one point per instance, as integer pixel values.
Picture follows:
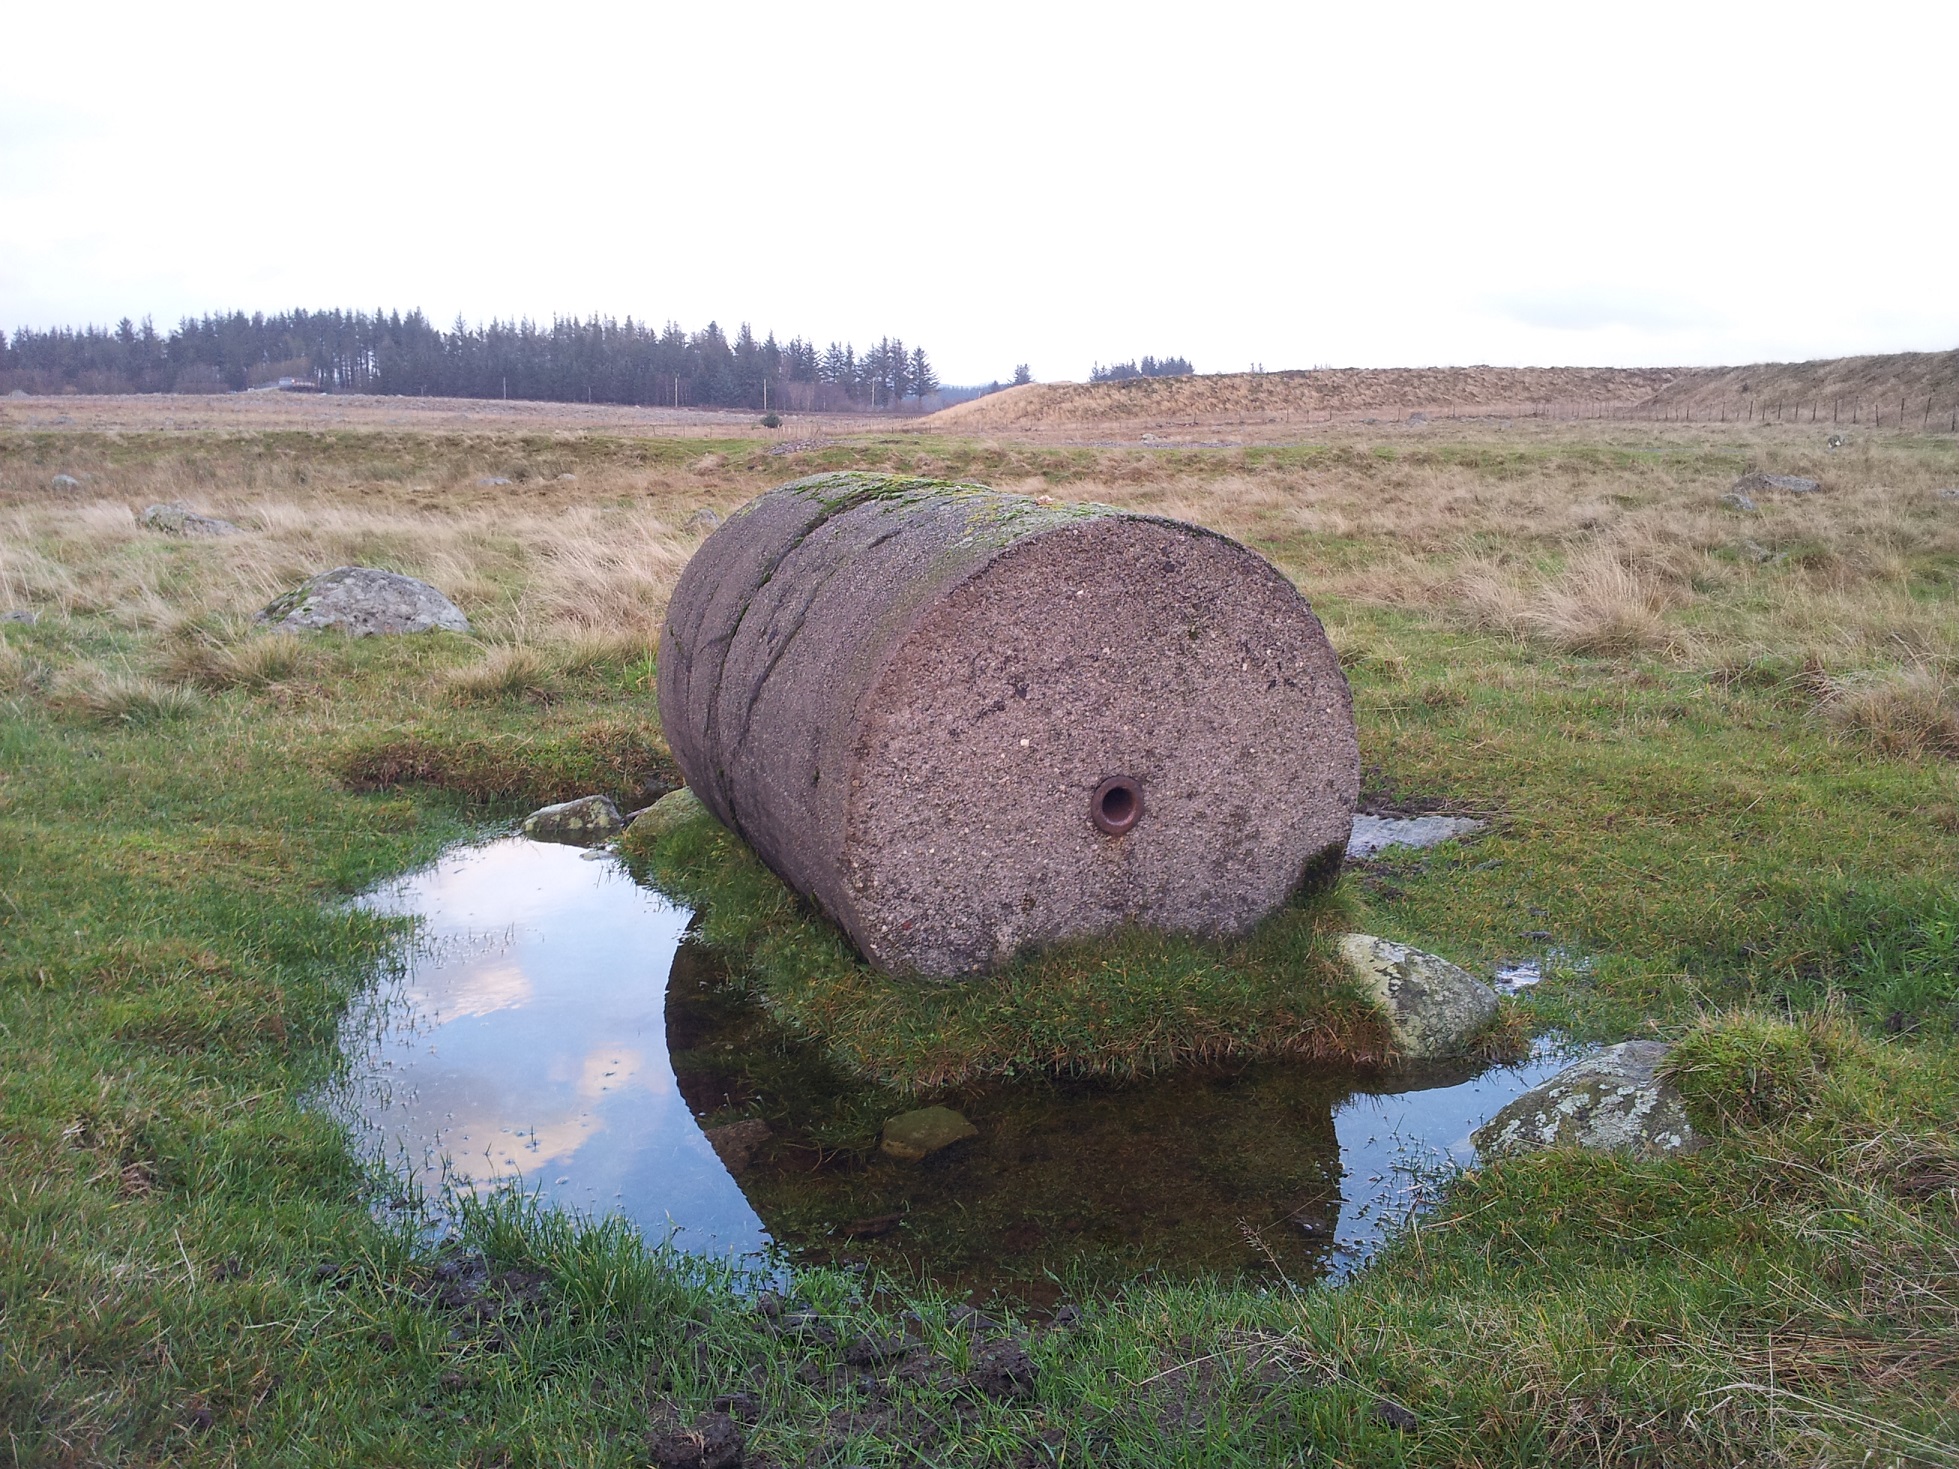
(1054, 184)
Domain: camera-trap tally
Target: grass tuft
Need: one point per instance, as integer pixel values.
(513, 671)
(16, 670)
(100, 697)
(624, 759)
(1744, 1069)
(1907, 712)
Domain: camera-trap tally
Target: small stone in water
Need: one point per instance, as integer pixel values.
(912, 1137)
(735, 1142)
(581, 823)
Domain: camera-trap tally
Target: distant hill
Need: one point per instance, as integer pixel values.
(1333, 394)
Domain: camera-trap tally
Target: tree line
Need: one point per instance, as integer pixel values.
(590, 361)
(1117, 372)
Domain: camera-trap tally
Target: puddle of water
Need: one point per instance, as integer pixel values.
(1516, 975)
(524, 1038)
(1372, 833)
(547, 1025)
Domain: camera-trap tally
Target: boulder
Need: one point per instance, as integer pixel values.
(1952, 494)
(580, 823)
(567, 479)
(735, 1142)
(65, 482)
(1614, 1101)
(1735, 500)
(20, 614)
(704, 518)
(911, 1137)
(968, 724)
(361, 601)
(181, 520)
(1434, 1007)
(491, 481)
(675, 809)
(1793, 484)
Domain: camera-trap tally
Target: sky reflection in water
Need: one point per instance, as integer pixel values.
(524, 1038)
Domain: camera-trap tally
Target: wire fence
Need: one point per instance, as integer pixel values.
(1906, 412)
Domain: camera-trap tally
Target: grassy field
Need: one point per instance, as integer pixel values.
(1720, 750)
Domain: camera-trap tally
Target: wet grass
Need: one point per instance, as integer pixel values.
(1131, 1005)
(190, 1271)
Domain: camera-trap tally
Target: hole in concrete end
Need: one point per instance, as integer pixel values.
(1117, 805)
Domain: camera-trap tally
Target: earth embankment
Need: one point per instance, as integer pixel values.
(1911, 388)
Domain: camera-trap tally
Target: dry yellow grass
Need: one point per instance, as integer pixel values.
(1913, 390)
(1592, 539)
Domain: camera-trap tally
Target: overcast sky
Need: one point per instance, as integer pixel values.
(1283, 184)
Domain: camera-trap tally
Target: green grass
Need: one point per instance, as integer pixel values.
(1128, 1006)
(194, 1270)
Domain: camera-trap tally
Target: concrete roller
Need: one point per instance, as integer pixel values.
(966, 723)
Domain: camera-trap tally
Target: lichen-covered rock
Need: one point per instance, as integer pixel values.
(968, 724)
(673, 810)
(1373, 833)
(181, 520)
(912, 1137)
(1736, 500)
(1614, 1101)
(1793, 484)
(361, 602)
(580, 823)
(1434, 1007)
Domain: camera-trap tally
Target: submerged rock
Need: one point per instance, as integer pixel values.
(181, 520)
(1435, 1007)
(579, 823)
(361, 602)
(912, 1137)
(1794, 484)
(735, 1142)
(1615, 1101)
